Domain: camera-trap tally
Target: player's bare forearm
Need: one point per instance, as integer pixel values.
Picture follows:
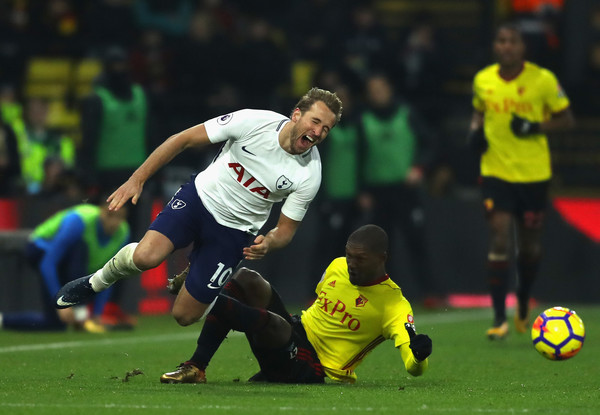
(276, 238)
(560, 121)
(132, 189)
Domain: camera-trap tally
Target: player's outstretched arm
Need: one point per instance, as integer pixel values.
(415, 353)
(276, 238)
(132, 189)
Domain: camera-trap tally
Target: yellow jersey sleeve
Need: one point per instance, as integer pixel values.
(555, 98)
(411, 364)
(478, 96)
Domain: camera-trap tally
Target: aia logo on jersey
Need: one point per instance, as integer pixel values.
(332, 284)
(361, 301)
(248, 181)
(410, 319)
(283, 183)
(224, 119)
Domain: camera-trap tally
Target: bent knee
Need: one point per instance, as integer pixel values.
(256, 289)
(145, 257)
(183, 318)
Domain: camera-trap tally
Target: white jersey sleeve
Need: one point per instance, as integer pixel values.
(232, 126)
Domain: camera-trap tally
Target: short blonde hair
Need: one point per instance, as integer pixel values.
(328, 98)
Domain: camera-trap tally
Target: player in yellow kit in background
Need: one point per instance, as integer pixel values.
(358, 306)
(516, 103)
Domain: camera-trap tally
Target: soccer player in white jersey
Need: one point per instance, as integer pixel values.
(266, 158)
(357, 307)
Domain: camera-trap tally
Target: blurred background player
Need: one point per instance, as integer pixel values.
(397, 150)
(326, 340)
(71, 242)
(114, 130)
(10, 165)
(337, 200)
(46, 153)
(516, 103)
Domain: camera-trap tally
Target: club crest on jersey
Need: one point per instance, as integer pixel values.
(283, 183)
(224, 119)
(332, 284)
(361, 301)
(177, 204)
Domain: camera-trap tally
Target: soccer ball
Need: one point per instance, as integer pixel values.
(558, 333)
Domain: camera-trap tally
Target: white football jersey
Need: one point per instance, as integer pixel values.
(252, 171)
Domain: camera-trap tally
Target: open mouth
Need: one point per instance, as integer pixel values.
(307, 138)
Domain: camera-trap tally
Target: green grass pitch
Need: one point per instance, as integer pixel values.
(118, 372)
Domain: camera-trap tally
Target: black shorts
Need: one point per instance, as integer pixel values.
(297, 363)
(527, 201)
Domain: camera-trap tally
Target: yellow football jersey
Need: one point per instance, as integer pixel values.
(346, 322)
(534, 95)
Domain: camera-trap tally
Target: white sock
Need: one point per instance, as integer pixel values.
(1, 320)
(81, 313)
(118, 267)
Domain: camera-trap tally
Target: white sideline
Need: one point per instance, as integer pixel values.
(97, 342)
(453, 316)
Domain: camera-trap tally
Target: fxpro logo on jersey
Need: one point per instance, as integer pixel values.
(509, 106)
(338, 311)
(248, 181)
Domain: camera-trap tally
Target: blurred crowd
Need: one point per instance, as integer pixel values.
(192, 60)
(167, 65)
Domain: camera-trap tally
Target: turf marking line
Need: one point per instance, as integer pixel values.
(97, 342)
(454, 316)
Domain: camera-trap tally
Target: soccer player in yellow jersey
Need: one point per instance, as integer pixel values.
(516, 103)
(357, 307)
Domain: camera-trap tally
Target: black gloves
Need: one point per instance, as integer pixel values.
(477, 142)
(420, 344)
(522, 127)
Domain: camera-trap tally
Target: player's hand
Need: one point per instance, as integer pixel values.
(420, 344)
(258, 250)
(131, 189)
(477, 142)
(522, 127)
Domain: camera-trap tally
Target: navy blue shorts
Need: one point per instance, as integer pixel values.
(217, 249)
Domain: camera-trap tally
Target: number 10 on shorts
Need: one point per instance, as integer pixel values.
(219, 277)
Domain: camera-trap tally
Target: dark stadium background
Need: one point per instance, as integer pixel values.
(263, 54)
